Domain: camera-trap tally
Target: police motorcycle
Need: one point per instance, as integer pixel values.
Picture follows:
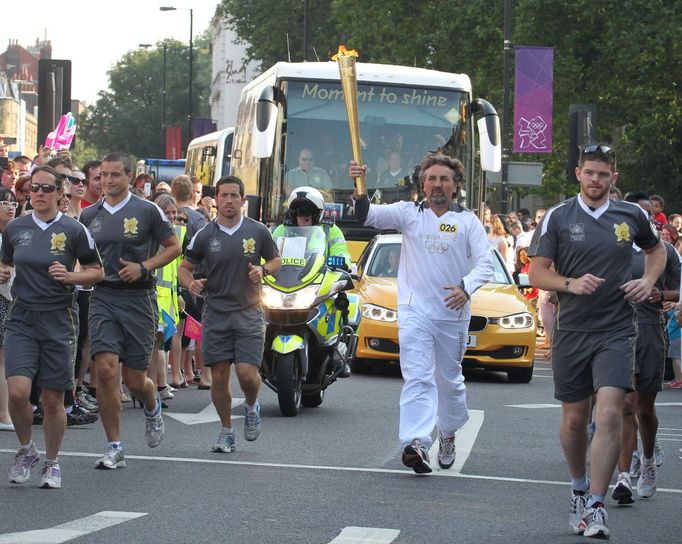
(310, 319)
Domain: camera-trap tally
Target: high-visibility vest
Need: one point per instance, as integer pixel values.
(167, 283)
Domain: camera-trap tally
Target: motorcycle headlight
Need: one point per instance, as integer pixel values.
(379, 313)
(524, 320)
(298, 300)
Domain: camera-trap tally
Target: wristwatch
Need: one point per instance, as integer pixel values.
(144, 271)
(265, 270)
(461, 286)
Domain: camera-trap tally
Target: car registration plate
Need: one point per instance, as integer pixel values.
(471, 341)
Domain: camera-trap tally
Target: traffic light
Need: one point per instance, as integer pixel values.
(582, 131)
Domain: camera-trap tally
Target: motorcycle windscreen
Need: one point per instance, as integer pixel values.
(303, 252)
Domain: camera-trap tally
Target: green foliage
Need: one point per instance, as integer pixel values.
(127, 116)
(625, 57)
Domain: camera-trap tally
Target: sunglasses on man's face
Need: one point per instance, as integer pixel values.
(181, 219)
(45, 187)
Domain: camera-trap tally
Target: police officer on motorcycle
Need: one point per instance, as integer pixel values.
(306, 208)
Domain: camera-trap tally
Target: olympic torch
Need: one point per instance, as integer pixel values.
(349, 83)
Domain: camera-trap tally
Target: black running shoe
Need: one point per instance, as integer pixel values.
(80, 416)
(416, 457)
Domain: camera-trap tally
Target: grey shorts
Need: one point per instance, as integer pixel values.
(237, 336)
(124, 323)
(650, 361)
(41, 346)
(584, 362)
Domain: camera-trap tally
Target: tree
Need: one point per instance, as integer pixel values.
(625, 57)
(127, 116)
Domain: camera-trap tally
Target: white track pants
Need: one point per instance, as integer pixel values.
(434, 393)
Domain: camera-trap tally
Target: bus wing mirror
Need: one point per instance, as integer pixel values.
(263, 137)
(488, 135)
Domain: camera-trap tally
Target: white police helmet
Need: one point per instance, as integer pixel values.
(307, 201)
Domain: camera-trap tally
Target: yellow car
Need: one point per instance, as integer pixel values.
(501, 332)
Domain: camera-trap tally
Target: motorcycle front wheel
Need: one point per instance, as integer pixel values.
(289, 383)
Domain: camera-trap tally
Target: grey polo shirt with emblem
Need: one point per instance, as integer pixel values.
(226, 257)
(599, 242)
(131, 230)
(31, 246)
(670, 279)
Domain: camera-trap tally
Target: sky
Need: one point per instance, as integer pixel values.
(94, 34)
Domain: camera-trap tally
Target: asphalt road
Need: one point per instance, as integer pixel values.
(333, 474)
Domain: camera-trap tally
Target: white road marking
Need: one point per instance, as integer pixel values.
(325, 468)
(207, 415)
(365, 535)
(464, 441)
(72, 529)
(559, 405)
(531, 406)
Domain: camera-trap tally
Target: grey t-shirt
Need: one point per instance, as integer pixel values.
(670, 279)
(32, 250)
(225, 258)
(582, 241)
(132, 232)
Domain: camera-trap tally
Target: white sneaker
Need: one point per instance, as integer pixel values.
(594, 522)
(646, 485)
(155, 428)
(623, 490)
(446, 451)
(51, 476)
(113, 458)
(166, 393)
(577, 510)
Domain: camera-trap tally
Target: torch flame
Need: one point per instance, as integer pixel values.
(343, 52)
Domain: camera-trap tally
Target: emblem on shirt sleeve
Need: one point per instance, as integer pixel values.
(130, 226)
(622, 232)
(58, 243)
(249, 246)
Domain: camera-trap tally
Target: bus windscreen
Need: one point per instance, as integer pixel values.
(398, 126)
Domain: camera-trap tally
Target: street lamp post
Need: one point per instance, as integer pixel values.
(191, 62)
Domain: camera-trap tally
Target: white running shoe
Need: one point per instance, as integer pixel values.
(252, 423)
(446, 451)
(623, 490)
(646, 485)
(154, 426)
(577, 510)
(594, 522)
(225, 442)
(113, 458)
(24, 461)
(51, 476)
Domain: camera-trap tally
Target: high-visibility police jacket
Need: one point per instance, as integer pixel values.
(167, 283)
(334, 240)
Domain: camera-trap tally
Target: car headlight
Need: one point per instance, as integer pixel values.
(524, 320)
(379, 313)
(298, 300)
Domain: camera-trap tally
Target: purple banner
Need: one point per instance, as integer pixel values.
(533, 99)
